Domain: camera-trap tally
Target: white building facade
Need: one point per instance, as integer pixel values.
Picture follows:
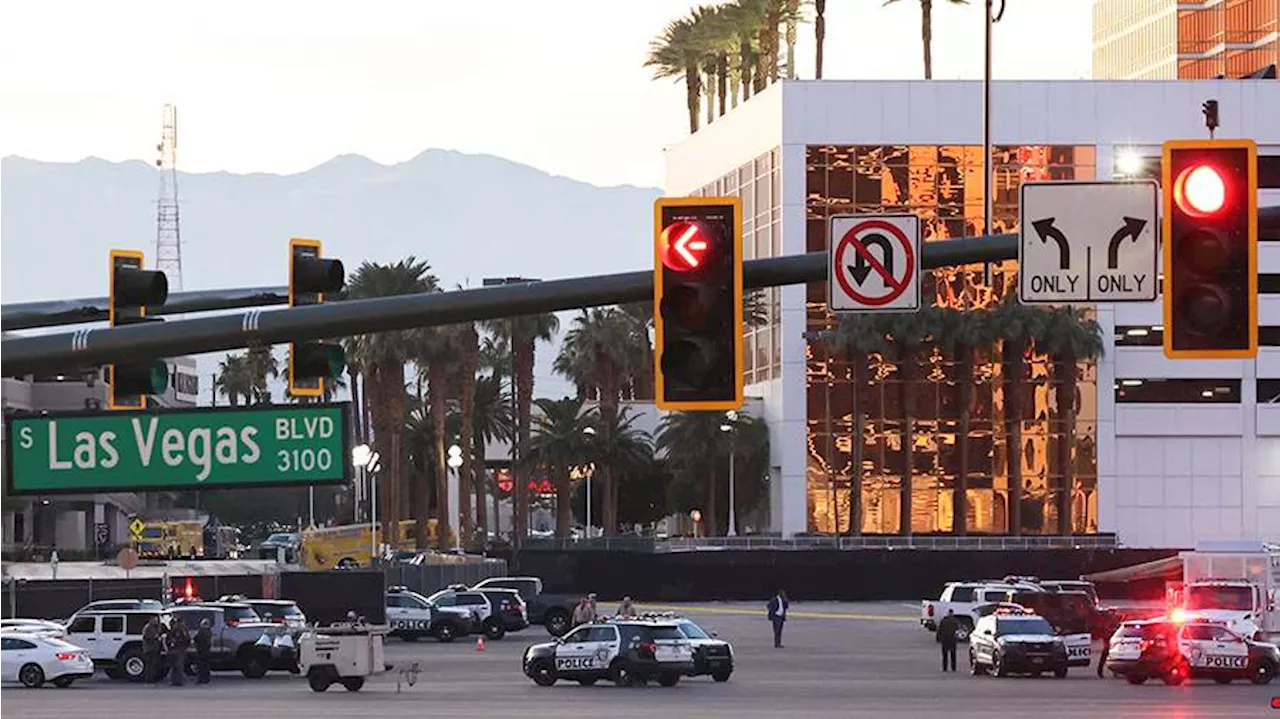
(1166, 453)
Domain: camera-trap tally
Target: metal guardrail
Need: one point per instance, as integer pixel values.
(776, 543)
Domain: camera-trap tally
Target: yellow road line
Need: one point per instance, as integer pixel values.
(761, 613)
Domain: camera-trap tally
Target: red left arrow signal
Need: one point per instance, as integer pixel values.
(684, 246)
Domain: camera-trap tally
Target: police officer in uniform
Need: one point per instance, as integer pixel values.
(947, 637)
(151, 636)
(204, 645)
(179, 641)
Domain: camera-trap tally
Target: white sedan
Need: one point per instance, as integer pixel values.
(33, 626)
(33, 659)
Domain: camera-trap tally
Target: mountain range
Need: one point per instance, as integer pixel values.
(470, 216)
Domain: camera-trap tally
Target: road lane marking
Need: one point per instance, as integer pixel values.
(761, 613)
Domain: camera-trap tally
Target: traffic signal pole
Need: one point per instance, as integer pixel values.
(92, 347)
(52, 313)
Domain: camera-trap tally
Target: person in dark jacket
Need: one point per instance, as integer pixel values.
(947, 637)
(1102, 660)
(152, 634)
(204, 646)
(179, 641)
(777, 609)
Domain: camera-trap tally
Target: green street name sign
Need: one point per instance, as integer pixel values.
(85, 452)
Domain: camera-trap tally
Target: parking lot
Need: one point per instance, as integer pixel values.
(840, 660)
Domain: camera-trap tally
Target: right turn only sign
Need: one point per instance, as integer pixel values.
(875, 263)
(1088, 242)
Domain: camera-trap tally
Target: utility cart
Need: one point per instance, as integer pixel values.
(346, 653)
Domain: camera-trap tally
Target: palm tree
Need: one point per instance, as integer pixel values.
(522, 334)
(559, 443)
(745, 17)
(262, 364)
(623, 448)
(602, 351)
(691, 442)
(909, 331)
(1015, 325)
(436, 352)
(491, 421)
(676, 53)
(234, 379)
(926, 31)
(749, 443)
(1069, 336)
(819, 35)
(468, 341)
(857, 336)
(960, 334)
(381, 358)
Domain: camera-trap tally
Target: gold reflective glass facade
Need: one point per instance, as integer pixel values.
(943, 186)
(1168, 39)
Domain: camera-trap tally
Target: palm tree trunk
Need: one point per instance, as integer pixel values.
(762, 74)
(1067, 375)
(1014, 367)
(710, 83)
(437, 377)
(470, 358)
(712, 525)
(960, 493)
(773, 20)
(564, 507)
(692, 94)
(524, 402)
(926, 35)
(791, 48)
(819, 35)
(859, 442)
(906, 395)
(746, 65)
(722, 80)
(608, 375)
(382, 413)
(477, 477)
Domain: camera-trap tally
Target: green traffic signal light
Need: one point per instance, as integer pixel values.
(318, 359)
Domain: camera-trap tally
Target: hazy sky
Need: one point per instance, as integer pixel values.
(282, 85)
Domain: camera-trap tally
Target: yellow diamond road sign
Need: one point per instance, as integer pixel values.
(136, 527)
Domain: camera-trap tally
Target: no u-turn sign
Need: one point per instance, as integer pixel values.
(875, 263)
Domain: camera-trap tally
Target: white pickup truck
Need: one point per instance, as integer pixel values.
(961, 598)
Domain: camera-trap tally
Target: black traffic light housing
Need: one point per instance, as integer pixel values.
(311, 277)
(131, 290)
(697, 299)
(1210, 249)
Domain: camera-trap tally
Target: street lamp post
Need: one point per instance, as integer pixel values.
(366, 460)
(988, 20)
(590, 432)
(731, 417)
(454, 503)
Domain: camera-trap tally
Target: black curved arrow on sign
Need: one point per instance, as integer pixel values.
(861, 269)
(1047, 232)
(1132, 228)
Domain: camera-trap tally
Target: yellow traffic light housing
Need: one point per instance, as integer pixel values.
(311, 277)
(131, 289)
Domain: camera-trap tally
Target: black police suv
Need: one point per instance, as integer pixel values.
(1005, 643)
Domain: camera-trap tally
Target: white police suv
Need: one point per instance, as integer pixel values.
(626, 652)
(411, 615)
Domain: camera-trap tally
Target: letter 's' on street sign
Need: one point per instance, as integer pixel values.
(131, 290)
(177, 449)
(311, 277)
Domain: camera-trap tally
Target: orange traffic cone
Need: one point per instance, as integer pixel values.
(480, 644)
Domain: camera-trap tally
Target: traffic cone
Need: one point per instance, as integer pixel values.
(480, 644)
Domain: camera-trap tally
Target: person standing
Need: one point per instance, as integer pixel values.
(151, 636)
(1102, 660)
(204, 646)
(626, 609)
(179, 641)
(582, 612)
(778, 615)
(947, 638)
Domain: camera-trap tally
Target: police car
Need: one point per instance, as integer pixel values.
(711, 656)
(1016, 642)
(625, 651)
(411, 616)
(1175, 651)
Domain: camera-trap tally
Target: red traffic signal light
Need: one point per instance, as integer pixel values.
(697, 293)
(1210, 249)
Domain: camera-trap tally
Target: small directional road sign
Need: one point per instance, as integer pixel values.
(1088, 242)
(875, 263)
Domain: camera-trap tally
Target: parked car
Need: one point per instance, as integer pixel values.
(33, 659)
(270, 547)
(114, 639)
(553, 611)
(238, 639)
(33, 626)
(276, 611)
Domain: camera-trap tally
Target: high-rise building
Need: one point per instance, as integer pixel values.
(1185, 39)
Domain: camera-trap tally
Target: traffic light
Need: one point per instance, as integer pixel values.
(697, 299)
(310, 278)
(131, 290)
(1210, 249)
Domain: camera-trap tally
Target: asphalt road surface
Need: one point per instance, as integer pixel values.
(840, 660)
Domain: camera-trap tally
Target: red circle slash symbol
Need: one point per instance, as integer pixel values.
(683, 246)
(864, 262)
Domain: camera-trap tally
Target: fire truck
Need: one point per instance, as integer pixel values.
(1233, 584)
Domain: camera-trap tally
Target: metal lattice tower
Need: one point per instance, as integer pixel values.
(168, 233)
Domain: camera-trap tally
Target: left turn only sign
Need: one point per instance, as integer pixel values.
(875, 263)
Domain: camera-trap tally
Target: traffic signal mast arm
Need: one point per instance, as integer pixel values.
(51, 313)
(89, 348)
